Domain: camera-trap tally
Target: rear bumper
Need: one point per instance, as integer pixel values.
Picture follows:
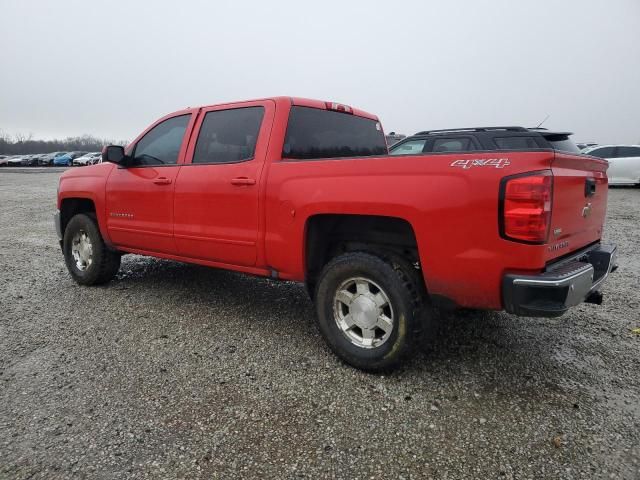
(563, 285)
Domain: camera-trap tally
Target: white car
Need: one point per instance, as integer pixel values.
(88, 159)
(15, 161)
(624, 162)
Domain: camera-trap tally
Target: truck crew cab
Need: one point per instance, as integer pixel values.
(305, 190)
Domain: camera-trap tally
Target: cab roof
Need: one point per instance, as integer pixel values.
(301, 102)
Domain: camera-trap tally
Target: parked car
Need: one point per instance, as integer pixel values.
(47, 158)
(29, 160)
(40, 158)
(4, 160)
(15, 161)
(67, 158)
(624, 162)
(304, 190)
(88, 159)
(477, 139)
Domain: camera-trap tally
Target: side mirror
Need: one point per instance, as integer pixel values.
(113, 154)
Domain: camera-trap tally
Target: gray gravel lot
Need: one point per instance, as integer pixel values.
(175, 370)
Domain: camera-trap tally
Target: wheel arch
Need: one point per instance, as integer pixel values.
(73, 206)
(327, 235)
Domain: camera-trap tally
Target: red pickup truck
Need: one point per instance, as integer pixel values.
(305, 190)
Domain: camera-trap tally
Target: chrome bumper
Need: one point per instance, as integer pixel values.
(563, 285)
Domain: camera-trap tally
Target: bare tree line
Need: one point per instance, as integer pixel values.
(20, 144)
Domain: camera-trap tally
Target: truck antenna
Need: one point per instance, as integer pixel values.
(545, 119)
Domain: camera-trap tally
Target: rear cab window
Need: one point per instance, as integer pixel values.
(313, 133)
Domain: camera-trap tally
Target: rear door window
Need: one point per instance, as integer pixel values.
(624, 152)
(516, 143)
(407, 148)
(604, 152)
(460, 144)
(316, 133)
(228, 136)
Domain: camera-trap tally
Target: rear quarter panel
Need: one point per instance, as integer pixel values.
(453, 212)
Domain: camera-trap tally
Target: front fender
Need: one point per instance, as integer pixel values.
(88, 183)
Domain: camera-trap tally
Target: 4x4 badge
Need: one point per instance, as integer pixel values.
(481, 162)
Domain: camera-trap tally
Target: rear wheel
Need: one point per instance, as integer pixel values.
(369, 310)
(88, 259)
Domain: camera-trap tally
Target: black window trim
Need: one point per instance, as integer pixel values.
(190, 162)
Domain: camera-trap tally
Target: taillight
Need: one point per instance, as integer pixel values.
(338, 107)
(525, 207)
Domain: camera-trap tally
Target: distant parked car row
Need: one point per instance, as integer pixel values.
(624, 160)
(51, 159)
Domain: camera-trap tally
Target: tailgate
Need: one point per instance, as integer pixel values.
(579, 203)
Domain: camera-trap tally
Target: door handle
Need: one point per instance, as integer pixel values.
(162, 181)
(243, 181)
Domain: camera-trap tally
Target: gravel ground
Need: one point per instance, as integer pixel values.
(182, 371)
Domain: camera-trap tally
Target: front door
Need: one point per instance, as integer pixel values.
(217, 189)
(139, 195)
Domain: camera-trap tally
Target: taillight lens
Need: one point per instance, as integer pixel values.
(526, 207)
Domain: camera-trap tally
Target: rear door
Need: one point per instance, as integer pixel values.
(139, 197)
(217, 190)
(579, 203)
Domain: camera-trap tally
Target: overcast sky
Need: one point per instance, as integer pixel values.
(110, 68)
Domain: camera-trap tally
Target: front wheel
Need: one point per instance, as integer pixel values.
(88, 259)
(369, 309)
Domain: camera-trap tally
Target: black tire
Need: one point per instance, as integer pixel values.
(404, 292)
(105, 263)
